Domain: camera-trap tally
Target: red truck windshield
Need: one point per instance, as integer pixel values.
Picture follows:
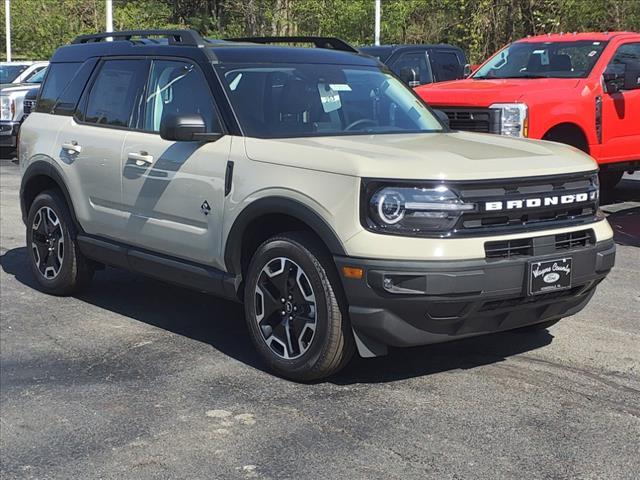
(543, 60)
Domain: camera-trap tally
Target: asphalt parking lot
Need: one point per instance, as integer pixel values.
(140, 379)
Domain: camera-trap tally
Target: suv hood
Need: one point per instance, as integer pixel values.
(428, 156)
(482, 93)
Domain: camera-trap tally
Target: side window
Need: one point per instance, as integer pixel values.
(33, 73)
(116, 94)
(629, 52)
(177, 88)
(58, 77)
(416, 61)
(68, 99)
(625, 54)
(447, 66)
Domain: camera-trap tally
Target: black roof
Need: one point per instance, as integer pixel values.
(385, 51)
(180, 44)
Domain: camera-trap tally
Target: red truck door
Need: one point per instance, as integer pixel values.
(621, 115)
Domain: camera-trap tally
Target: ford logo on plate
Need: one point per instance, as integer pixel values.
(551, 277)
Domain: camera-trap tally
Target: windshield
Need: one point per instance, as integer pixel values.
(543, 60)
(294, 100)
(38, 77)
(8, 73)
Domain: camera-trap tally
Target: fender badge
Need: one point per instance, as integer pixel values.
(205, 208)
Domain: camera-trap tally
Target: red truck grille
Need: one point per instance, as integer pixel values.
(483, 120)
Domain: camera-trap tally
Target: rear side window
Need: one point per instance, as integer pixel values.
(58, 77)
(413, 63)
(446, 66)
(116, 95)
(67, 101)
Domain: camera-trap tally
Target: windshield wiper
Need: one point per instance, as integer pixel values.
(529, 75)
(526, 75)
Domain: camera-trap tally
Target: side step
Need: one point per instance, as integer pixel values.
(163, 267)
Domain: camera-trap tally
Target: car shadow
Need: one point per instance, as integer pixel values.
(623, 213)
(220, 324)
(627, 190)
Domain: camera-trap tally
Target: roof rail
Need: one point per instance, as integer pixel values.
(332, 43)
(189, 38)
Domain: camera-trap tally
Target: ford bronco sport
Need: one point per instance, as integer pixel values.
(580, 89)
(311, 184)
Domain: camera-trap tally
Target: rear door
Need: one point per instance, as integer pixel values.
(91, 143)
(173, 192)
(621, 113)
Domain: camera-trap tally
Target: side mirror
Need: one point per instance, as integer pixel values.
(443, 117)
(632, 76)
(466, 71)
(409, 76)
(613, 77)
(186, 128)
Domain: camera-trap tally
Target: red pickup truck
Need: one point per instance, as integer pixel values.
(581, 89)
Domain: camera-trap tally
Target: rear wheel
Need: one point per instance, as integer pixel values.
(293, 312)
(55, 259)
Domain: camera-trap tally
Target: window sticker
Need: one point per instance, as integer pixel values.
(592, 53)
(329, 98)
(340, 87)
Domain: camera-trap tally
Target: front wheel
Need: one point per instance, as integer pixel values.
(292, 308)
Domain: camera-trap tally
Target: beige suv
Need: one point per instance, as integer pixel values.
(310, 184)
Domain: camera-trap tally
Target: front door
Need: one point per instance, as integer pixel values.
(173, 192)
(621, 113)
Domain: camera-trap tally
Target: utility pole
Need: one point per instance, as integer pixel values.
(7, 27)
(109, 6)
(377, 28)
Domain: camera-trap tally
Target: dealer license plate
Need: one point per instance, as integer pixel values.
(549, 276)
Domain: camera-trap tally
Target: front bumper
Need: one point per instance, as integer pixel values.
(9, 133)
(447, 300)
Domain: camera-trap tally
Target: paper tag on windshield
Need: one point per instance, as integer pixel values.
(340, 87)
(329, 97)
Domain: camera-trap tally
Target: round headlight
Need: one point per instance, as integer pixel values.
(391, 207)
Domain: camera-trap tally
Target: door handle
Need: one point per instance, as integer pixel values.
(142, 158)
(72, 147)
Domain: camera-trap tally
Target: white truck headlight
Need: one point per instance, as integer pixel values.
(7, 107)
(514, 119)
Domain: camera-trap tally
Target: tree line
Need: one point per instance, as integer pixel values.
(479, 27)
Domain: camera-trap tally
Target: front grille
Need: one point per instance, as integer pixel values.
(569, 241)
(483, 120)
(509, 248)
(484, 221)
(524, 247)
(28, 106)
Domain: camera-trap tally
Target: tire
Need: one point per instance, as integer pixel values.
(538, 326)
(55, 259)
(308, 335)
(609, 179)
